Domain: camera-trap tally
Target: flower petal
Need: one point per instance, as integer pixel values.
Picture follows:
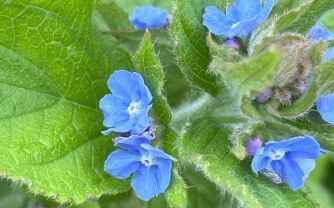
(325, 106)
(305, 145)
(318, 32)
(144, 182)
(307, 165)
(216, 21)
(260, 160)
(144, 93)
(148, 17)
(265, 11)
(121, 85)
(114, 111)
(247, 9)
(156, 153)
(121, 164)
(163, 174)
(133, 143)
(329, 54)
(292, 173)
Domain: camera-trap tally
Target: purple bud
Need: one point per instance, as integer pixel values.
(232, 43)
(252, 145)
(264, 97)
(300, 87)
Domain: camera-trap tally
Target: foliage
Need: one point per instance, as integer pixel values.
(57, 55)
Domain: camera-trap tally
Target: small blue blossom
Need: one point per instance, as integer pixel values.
(126, 109)
(149, 17)
(151, 167)
(325, 106)
(288, 161)
(318, 32)
(240, 19)
(329, 54)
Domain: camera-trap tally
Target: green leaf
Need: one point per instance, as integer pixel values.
(208, 150)
(310, 124)
(316, 182)
(301, 19)
(190, 43)
(129, 5)
(297, 20)
(176, 195)
(53, 73)
(203, 193)
(282, 6)
(109, 16)
(327, 20)
(147, 63)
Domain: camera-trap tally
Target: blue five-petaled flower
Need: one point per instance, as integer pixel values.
(149, 17)
(240, 19)
(126, 109)
(151, 167)
(288, 161)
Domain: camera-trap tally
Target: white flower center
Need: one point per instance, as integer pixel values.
(147, 159)
(134, 108)
(277, 154)
(234, 25)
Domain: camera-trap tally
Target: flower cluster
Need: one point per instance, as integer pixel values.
(126, 113)
(289, 161)
(149, 17)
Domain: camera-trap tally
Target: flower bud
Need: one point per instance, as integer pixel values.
(252, 145)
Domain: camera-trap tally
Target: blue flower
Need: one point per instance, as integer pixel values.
(240, 19)
(288, 161)
(151, 167)
(149, 17)
(325, 106)
(318, 32)
(126, 109)
(329, 54)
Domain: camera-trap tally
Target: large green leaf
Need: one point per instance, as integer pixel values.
(190, 42)
(53, 71)
(204, 144)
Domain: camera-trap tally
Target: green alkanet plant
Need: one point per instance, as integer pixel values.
(259, 77)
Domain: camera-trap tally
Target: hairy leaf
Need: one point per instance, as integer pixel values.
(190, 42)
(53, 73)
(327, 20)
(148, 65)
(301, 19)
(207, 149)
